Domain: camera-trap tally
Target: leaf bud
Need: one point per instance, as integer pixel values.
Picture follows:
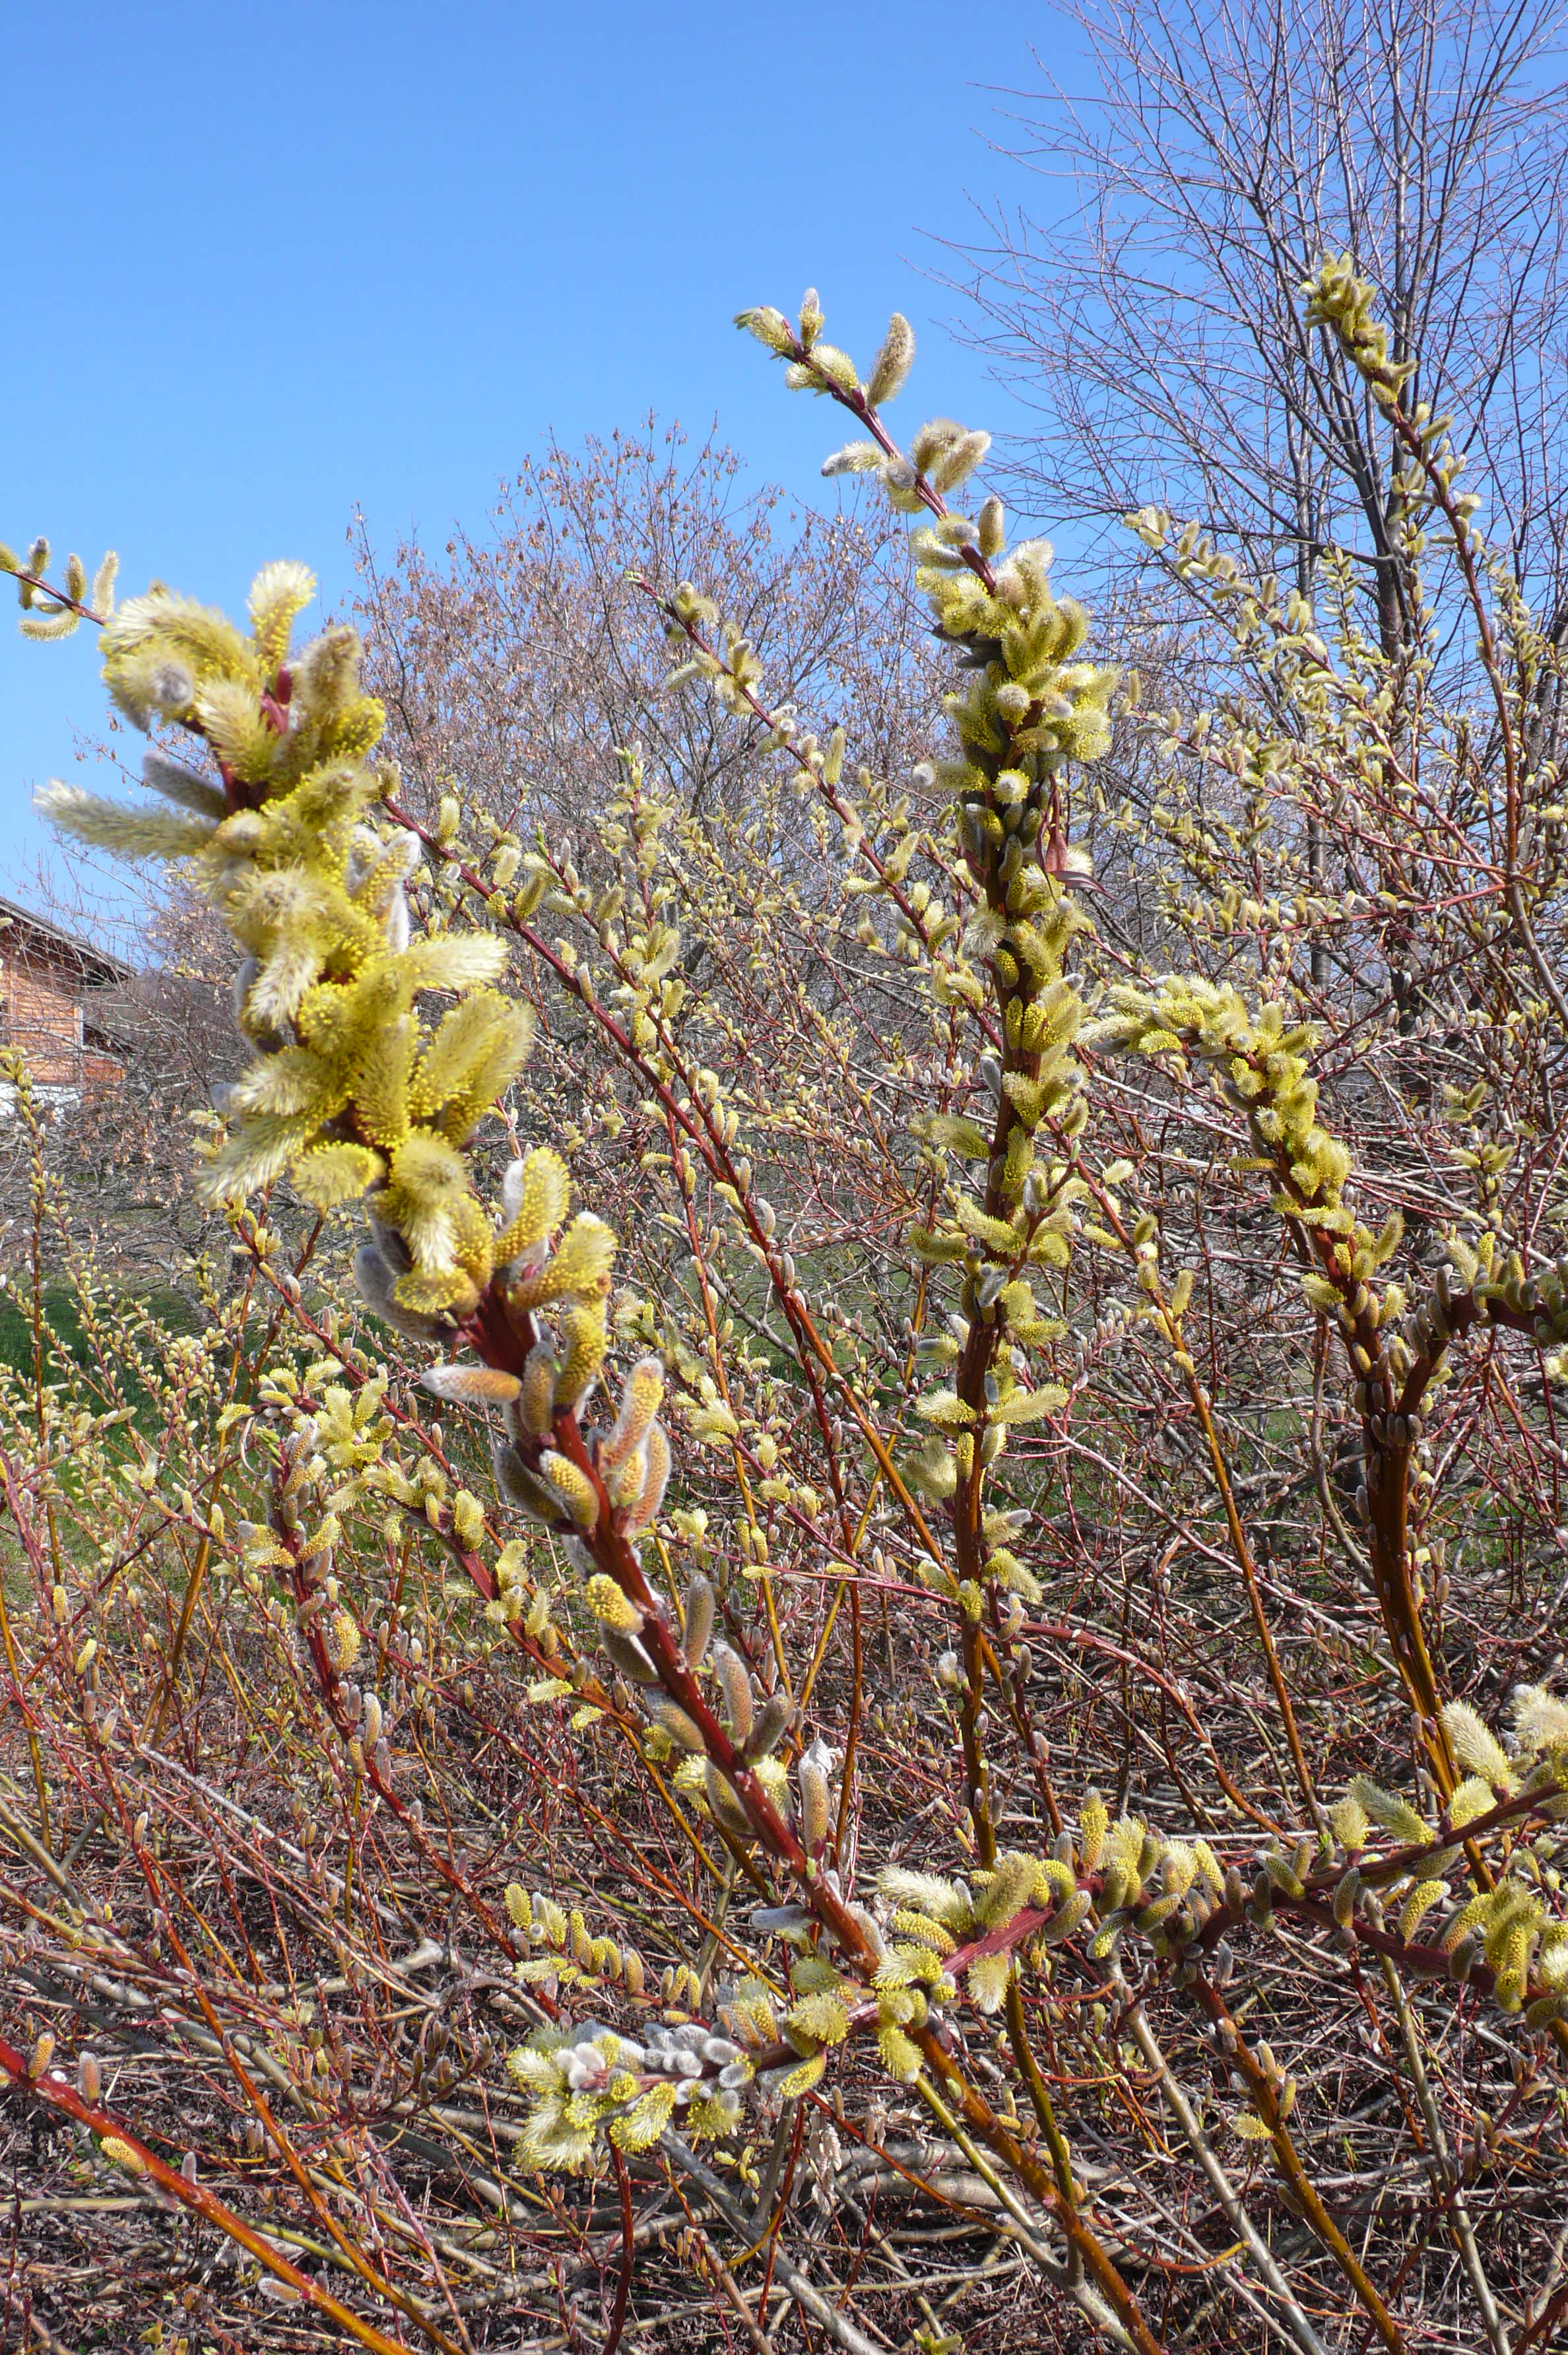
(890, 368)
(770, 327)
(675, 1722)
(1070, 1918)
(958, 460)
(1461, 1958)
(737, 1688)
(628, 1655)
(773, 1723)
(700, 1606)
(814, 1804)
(854, 458)
(725, 1802)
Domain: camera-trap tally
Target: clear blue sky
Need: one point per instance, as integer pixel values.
(267, 265)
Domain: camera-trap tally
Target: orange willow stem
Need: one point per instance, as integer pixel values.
(52, 2088)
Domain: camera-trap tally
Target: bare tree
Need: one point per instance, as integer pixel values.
(1229, 144)
(166, 1043)
(522, 664)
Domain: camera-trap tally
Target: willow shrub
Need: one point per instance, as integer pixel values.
(1006, 1677)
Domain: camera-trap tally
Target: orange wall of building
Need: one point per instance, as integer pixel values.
(41, 1011)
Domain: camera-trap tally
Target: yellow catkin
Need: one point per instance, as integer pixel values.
(640, 1400)
(638, 1516)
(343, 1641)
(574, 1486)
(607, 1601)
(583, 1342)
(536, 1407)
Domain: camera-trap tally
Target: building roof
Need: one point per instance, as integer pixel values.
(23, 929)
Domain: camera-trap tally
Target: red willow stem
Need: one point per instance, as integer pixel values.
(331, 1688)
(720, 1163)
(492, 1333)
(61, 596)
(628, 2253)
(52, 2086)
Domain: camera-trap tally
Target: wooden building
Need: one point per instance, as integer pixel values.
(52, 988)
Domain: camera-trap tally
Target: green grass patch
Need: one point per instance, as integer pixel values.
(62, 1321)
